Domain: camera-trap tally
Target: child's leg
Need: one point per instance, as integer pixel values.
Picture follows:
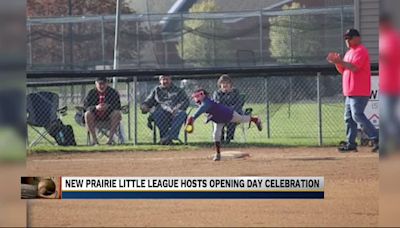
(237, 118)
(217, 131)
(217, 140)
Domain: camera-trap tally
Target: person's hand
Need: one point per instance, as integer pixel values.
(101, 107)
(167, 108)
(190, 121)
(189, 125)
(175, 111)
(334, 58)
(330, 57)
(145, 109)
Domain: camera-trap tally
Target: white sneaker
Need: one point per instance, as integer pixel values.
(217, 157)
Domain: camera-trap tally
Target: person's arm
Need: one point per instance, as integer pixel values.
(346, 65)
(183, 101)
(89, 102)
(149, 102)
(334, 58)
(357, 62)
(116, 101)
(204, 107)
(216, 97)
(339, 68)
(186, 101)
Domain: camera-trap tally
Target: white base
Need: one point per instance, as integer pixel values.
(233, 155)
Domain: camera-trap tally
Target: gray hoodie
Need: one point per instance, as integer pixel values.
(168, 98)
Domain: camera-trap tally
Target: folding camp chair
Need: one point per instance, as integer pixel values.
(102, 127)
(152, 126)
(42, 109)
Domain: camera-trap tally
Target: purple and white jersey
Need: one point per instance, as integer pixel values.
(217, 113)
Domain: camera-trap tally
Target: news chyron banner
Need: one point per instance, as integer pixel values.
(190, 188)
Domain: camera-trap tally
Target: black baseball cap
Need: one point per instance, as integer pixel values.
(350, 33)
(101, 79)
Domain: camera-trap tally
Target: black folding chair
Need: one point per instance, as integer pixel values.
(42, 109)
(151, 124)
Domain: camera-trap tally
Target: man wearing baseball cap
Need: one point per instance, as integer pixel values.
(167, 104)
(102, 104)
(355, 69)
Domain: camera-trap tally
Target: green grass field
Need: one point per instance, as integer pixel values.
(296, 125)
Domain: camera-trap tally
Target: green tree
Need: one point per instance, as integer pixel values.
(201, 47)
(294, 38)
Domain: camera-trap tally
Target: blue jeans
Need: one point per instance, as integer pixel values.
(353, 115)
(168, 124)
(389, 124)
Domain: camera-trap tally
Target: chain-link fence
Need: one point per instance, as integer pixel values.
(302, 109)
(185, 40)
(295, 110)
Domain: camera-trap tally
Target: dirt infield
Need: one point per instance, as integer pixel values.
(351, 189)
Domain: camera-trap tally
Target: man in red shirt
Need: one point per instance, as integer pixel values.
(356, 76)
(389, 84)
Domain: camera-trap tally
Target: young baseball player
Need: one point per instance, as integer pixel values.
(220, 115)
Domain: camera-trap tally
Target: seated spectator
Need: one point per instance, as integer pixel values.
(230, 97)
(167, 104)
(102, 104)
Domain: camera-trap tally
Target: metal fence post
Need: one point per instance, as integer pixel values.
(291, 39)
(165, 45)
(135, 116)
(103, 50)
(83, 93)
(267, 100)
(116, 40)
(182, 52)
(342, 27)
(72, 94)
(128, 90)
(290, 96)
(138, 43)
(62, 47)
(64, 90)
(319, 109)
(30, 45)
(261, 43)
(213, 43)
(71, 39)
